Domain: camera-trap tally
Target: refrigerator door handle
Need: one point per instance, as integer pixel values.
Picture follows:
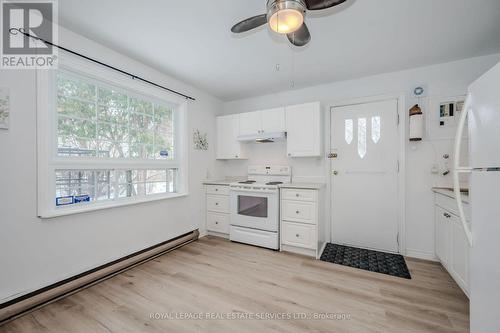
(457, 170)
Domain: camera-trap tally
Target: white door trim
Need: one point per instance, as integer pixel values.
(403, 119)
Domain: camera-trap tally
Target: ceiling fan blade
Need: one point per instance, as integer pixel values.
(249, 23)
(300, 37)
(322, 4)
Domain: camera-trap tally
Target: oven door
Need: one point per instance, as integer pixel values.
(256, 209)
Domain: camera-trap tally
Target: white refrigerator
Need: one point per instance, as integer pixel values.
(482, 114)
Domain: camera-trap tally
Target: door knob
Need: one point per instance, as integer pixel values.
(335, 172)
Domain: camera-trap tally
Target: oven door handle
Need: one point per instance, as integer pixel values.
(257, 190)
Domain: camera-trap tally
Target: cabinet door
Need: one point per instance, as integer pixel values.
(303, 125)
(443, 236)
(273, 120)
(228, 146)
(250, 123)
(459, 253)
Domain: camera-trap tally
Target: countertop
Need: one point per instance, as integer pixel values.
(306, 186)
(449, 193)
(222, 182)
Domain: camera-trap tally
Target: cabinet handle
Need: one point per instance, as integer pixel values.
(297, 212)
(216, 190)
(297, 195)
(216, 203)
(216, 222)
(297, 235)
(447, 215)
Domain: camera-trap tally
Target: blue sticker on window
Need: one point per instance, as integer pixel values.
(63, 201)
(82, 198)
(163, 153)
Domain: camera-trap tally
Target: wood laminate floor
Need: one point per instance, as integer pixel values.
(227, 279)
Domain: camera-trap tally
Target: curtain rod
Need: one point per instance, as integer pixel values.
(134, 77)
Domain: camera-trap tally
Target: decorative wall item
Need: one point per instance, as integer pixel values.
(4, 108)
(416, 123)
(200, 140)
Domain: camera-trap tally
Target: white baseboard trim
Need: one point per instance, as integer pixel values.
(217, 234)
(421, 255)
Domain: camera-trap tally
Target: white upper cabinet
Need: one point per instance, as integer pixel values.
(273, 120)
(250, 123)
(228, 147)
(303, 125)
(265, 121)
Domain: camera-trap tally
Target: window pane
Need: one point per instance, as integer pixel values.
(349, 128)
(75, 108)
(86, 186)
(76, 128)
(164, 133)
(100, 121)
(111, 149)
(70, 87)
(112, 132)
(140, 106)
(156, 175)
(375, 129)
(362, 137)
(155, 188)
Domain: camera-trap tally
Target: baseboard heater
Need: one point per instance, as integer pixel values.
(24, 304)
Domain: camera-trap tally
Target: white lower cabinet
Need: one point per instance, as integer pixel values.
(218, 222)
(299, 234)
(217, 201)
(451, 245)
(301, 230)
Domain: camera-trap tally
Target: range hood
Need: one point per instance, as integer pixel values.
(263, 137)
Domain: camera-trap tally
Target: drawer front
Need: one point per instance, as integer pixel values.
(218, 203)
(299, 195)
(218, 189)
(301, 235)
(297, 211)
(450, 204)
(218, 222)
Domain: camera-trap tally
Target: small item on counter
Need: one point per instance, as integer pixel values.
(416, 123)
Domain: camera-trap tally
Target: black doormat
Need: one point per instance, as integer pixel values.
(374, 261)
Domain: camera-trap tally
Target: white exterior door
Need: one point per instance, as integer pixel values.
(365, 175)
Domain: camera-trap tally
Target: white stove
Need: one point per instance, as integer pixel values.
(255, 206)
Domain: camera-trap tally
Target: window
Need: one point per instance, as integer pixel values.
(349, 131)
(113, 141)
(362, 137)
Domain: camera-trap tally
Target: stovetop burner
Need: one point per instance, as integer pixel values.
(247, 182)
(274, 183)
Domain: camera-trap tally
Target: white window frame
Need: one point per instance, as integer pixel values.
(49, 161)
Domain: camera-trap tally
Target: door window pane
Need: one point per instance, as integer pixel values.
(362, 137)
(375, 129)
(349, 128)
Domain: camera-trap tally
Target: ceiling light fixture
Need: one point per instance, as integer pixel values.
(285, 17)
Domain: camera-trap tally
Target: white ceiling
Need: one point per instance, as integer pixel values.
(191, 40)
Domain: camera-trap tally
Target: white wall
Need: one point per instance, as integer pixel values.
(448, 79)
(35, 253)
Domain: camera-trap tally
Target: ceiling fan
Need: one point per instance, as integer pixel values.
(286, 17)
